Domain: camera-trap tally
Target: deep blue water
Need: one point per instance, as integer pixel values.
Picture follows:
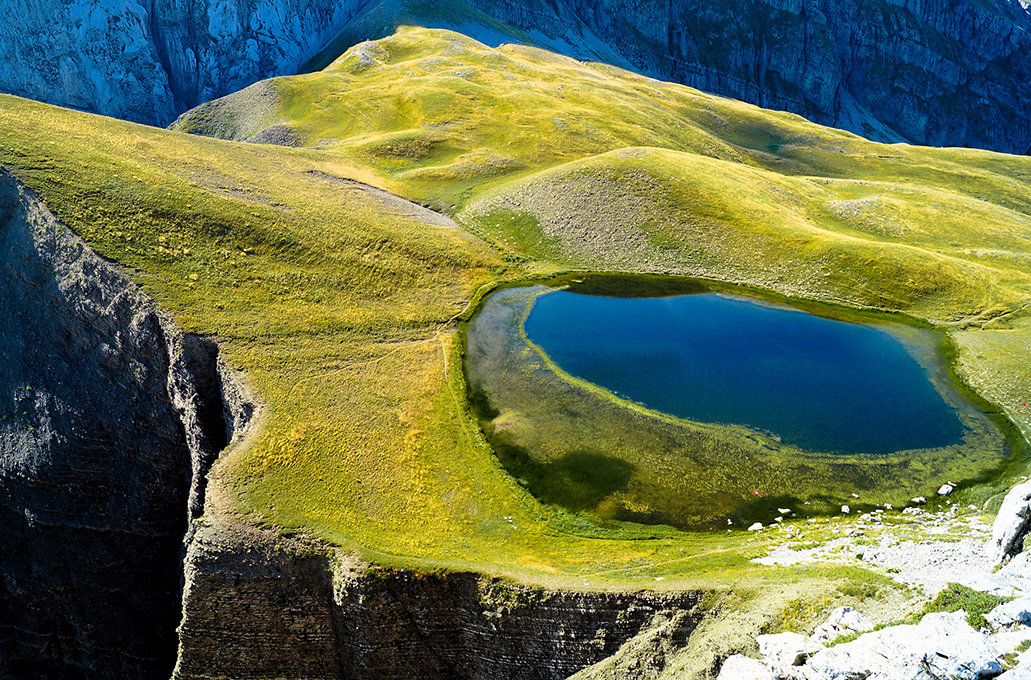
(820, 385)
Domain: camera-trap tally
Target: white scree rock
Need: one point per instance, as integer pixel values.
(1011, 524)
(842, 621)
(739, 667)
(786, 649)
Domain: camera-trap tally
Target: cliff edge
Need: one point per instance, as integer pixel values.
(109, 419)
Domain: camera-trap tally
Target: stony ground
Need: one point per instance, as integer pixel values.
(923, 549)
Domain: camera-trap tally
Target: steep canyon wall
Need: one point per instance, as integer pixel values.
(950, 73)
(149, 60)
(109, 420)
(260, 606)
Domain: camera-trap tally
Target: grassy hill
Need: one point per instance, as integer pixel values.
(714, 186)
(344, 312)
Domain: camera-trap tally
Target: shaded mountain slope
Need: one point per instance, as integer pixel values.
(949, 74)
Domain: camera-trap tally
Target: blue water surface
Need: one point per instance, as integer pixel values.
(818, 384)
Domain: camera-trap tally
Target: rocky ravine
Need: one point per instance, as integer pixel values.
(115, 563)
(109, 420)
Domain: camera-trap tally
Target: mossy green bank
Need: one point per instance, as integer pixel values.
(343, 312)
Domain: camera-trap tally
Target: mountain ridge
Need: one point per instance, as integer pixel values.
(952, 74)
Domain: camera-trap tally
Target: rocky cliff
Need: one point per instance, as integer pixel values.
(109, 420)
(260, 606)
(114, 563)
(950, 73)
(956, 72)
(148, 60)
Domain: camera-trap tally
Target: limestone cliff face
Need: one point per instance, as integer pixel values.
(945, 73)
(109, 419)
(257, 606)
(148, 60)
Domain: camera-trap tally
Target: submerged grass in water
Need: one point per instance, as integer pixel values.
(577, 445)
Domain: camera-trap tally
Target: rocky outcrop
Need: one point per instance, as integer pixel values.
(943, 646)
(1011, 524)
(148, 60)
(260, 606)
(109, 420)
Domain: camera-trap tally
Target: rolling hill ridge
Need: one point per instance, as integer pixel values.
(943, 74)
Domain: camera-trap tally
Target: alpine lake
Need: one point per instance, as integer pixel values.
(708, 406)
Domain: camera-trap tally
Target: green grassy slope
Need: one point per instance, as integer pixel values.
(344, 314)
(587, 166)
(706, 185)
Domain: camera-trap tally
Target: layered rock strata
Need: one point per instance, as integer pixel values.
(951, 73)
(257, 606)
(109, 420)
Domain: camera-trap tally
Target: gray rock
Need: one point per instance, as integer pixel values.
(1011, 524)
(148, 60)
(842, 621)
(786, 649)
(938, 73)
(110, 418)
(260, 605)
(1011, 614)
(940, 646)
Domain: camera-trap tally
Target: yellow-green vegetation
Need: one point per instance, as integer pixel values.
(577, 445)
(343, 313)
(343, 316)
(975, 603)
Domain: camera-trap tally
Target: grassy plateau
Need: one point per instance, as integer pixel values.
(345, 313)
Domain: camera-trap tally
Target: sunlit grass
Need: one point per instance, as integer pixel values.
(344, 316)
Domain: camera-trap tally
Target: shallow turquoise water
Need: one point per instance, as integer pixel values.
(817, 384)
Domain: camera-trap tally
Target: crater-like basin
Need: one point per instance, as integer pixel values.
(702, 405)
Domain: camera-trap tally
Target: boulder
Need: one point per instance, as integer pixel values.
(945, 489)
(1011, 524)
(786, 649)
(842, 621)
(1011, 614)
(739, 667)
